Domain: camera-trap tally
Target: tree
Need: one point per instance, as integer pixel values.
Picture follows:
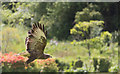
(15, 13)
(60, 17)
(91, 12)
(87, 30)
(88, 20)
(110, 13)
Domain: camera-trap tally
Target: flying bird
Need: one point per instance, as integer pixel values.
(35, 43)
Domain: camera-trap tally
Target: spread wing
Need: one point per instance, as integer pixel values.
(36, 40)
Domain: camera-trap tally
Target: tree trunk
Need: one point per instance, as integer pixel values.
(88, 45)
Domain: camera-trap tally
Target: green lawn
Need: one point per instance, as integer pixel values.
(67, 52)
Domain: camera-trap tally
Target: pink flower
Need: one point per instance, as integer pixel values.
(8, 61)
(47, 63)
(6, 54)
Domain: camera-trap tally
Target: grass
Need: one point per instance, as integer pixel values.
(67, 52)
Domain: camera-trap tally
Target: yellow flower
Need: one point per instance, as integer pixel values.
(77, 25)
(26, 67)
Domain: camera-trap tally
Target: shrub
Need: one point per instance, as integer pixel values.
(47, 65)
(61, 65)
(12, 63)
(106, 37)
(95, 63)
(114, 68)
(103, 63)
(73, 68)
(78, 64)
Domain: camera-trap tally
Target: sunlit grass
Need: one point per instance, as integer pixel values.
(67, 52)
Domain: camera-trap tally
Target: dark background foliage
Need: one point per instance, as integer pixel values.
(59, 18)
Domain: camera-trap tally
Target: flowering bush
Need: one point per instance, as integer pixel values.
(12, 63)
(11, 58)
(47, 65)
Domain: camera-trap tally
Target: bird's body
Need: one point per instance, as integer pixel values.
(36, 42)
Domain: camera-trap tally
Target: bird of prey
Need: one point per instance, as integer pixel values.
(35, 43)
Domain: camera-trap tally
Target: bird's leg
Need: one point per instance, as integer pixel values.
(28, 61)
(31, 58)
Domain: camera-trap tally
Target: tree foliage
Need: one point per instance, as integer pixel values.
(91, 12)
(58, 17)
(85, 29)
(14, 14)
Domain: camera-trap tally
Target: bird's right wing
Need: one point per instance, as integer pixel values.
(36, 40)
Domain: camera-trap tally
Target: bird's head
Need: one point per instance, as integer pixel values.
(47, 56)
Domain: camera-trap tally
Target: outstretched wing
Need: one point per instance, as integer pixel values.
(36, 40)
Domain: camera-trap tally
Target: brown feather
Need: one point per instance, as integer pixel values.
(46, 33)
(26, 40)
(30, 35)
(43, 28)
(33, 26)
(36, 41)
(40, 26)
(32, 30)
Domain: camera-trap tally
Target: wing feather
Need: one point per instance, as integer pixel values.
(36, 40)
